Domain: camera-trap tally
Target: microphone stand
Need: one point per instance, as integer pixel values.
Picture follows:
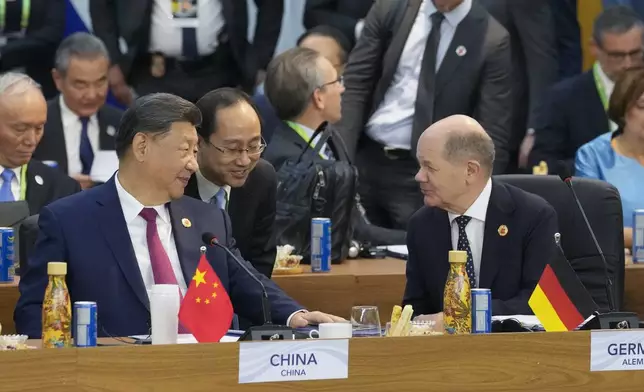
(267, 331)
(611, 319)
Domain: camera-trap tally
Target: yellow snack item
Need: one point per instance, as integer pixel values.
(395, 314)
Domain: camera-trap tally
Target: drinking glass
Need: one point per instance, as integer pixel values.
(365, 321)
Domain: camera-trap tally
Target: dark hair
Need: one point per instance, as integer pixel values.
(291, 79)
(329, 32)
(628, 89)
(216, 100)
(616, 20)
(154, 113)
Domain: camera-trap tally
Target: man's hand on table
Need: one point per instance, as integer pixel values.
(303, 319)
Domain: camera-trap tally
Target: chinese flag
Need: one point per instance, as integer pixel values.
(206, 309)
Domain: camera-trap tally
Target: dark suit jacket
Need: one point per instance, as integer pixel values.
(101, 265)
(131, 20)
(252, 215)
(477, 84)
(52, 145)
(46, 184)
(35, 51)
(343, 15)
(270, 121)
(534, 56)
(573, 115)
(568, 37)
(511, 265)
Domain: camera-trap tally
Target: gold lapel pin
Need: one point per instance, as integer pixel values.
(503, 230)
(186, 222)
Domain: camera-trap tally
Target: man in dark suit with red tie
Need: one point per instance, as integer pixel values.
(416, 62)
(137, 230)
(507, 233)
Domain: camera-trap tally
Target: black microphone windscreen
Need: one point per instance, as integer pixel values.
(209, 239)
(563, 170)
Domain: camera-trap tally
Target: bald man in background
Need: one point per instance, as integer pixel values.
(506, 232)
(23, 113)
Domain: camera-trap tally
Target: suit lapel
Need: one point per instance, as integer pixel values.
(187, 238)
(499, 213)
(114, 228)
(392, 56)
(56, 139)
(38, 187)
(469, 35)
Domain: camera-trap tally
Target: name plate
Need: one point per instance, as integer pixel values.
(616, 350)
(295, 360)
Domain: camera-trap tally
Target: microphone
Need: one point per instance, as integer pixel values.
(267, 331)
(566, 176)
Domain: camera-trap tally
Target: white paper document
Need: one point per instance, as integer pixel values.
(525, 321)
(105, 164)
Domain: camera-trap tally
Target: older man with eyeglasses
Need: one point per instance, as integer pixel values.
(232, 176)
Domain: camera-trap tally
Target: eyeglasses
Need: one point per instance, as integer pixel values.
(340, 80)
(234, 153)
(619, 57)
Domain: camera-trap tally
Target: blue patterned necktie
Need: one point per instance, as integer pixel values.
(86, 152)
(5, 190)
(464, 244)
(219, 199)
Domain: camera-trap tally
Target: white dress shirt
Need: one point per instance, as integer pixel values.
(475, 230)
(208, 190)
(15, 182)
(72, 129)
(391, 124)
(609, 86)
(166, 34)
(137, 227)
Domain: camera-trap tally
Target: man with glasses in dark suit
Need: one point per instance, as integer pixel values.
(232, 176)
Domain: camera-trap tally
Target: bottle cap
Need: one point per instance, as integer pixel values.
(457, 256)
(56, 268)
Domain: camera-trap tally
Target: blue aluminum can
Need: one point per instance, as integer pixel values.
(638, 236)
(7, 266)
(481, 311)
(320, 245)
(85, 320)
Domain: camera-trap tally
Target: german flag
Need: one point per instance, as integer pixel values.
(560, 301)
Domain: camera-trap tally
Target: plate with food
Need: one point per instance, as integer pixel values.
(287, 263)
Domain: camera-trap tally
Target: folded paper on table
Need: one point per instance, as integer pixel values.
(231, 336)
(397, 251)
(105, 164)
(526, 321)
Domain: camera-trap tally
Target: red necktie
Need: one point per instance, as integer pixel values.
(161, 266)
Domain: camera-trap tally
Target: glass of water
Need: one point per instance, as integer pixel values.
(365, 321)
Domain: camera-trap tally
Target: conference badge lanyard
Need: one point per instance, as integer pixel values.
(298, 129)
(601, 91)
(24, 19)
(23, 182)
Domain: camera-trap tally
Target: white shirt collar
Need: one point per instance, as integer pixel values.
(16, 170)
(453, 17)
(478, 209)
(609, 85)
(308, 131)
(68, 117)
(132, 207)
(207, 190)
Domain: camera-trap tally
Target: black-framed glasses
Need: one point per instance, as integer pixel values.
(339, 80)
(637, 54)
(234, 153)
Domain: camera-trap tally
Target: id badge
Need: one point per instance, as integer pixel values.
(185, 13)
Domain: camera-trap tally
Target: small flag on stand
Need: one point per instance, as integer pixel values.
(206, 310)
(560, 301)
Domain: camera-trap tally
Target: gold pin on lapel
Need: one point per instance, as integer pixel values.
(186, 222)
(503, 230)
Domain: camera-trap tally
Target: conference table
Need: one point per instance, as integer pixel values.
(378, 282)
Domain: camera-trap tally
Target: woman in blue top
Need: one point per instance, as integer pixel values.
(618, 157)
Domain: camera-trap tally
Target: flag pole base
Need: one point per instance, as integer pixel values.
(611, 320)
(268, 332)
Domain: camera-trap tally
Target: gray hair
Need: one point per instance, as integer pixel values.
(615, 20)
(154, 114)
(291, 79)
(462, 146)
(15, 83)
(81, 45)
